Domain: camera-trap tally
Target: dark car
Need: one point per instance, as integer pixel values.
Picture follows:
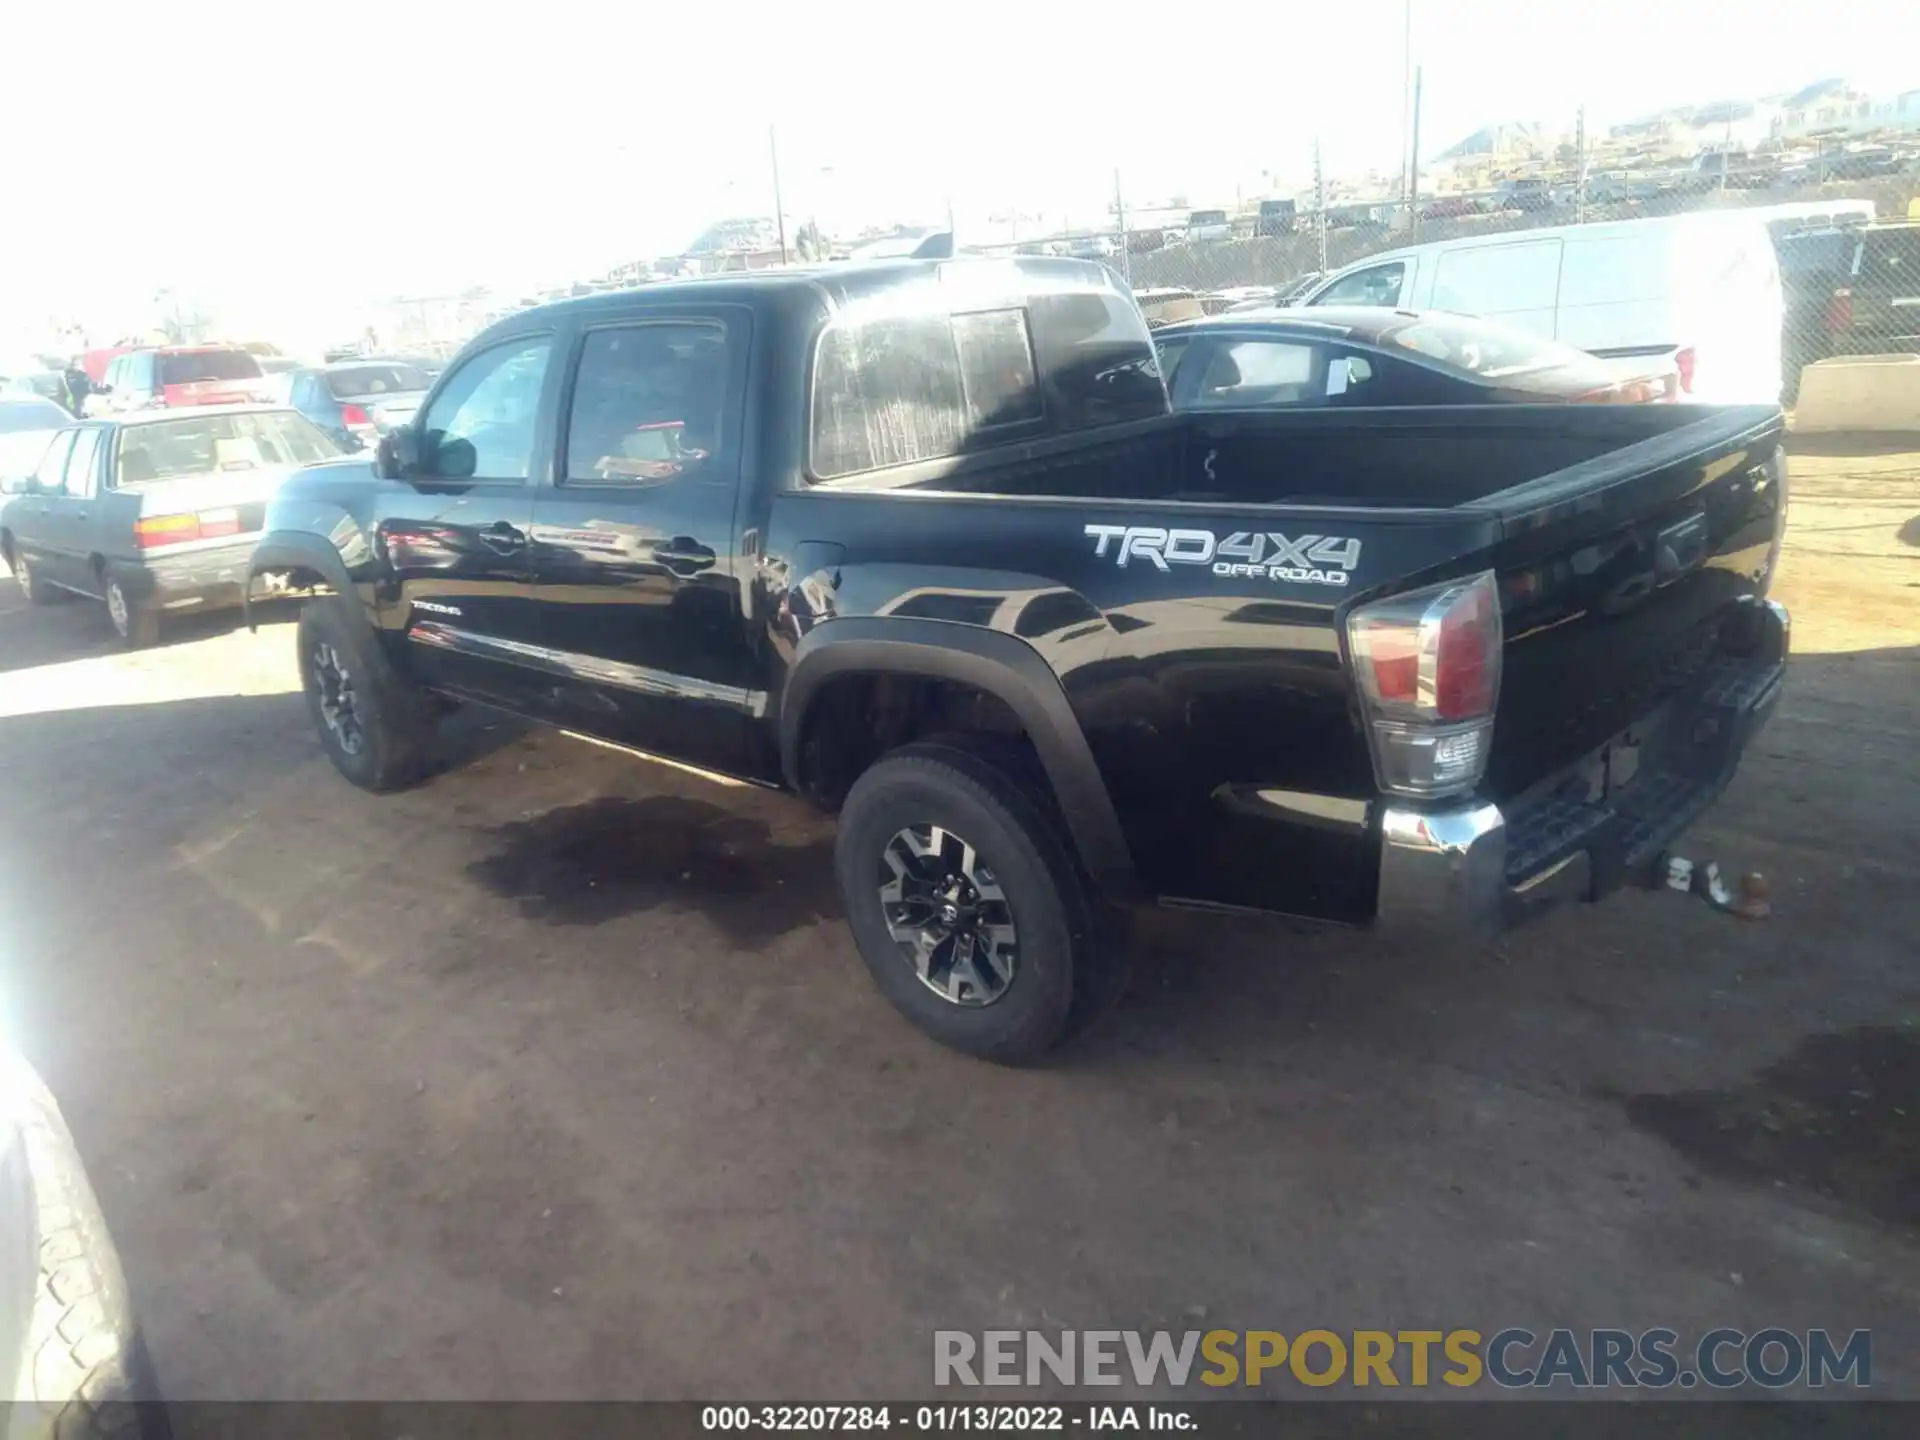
(1529, 194)
(1335, 356)
(1875, 309)
(1815, 266)
(1276, 217)
(927, 545)
(356, 401)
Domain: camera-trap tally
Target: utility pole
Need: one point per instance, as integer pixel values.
(1580, 166)
(1413, 167)
(1320, 202)
(1120, 220)
(779, 216)
(1407, 102)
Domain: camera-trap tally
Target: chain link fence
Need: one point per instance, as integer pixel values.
(1849, 288)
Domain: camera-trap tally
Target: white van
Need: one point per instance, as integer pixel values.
(1702, 288)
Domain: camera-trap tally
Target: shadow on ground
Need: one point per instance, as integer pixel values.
(611, 857)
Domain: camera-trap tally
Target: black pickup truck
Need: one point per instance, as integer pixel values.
(924, 543)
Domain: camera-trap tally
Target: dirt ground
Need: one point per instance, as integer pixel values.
(559, 1077)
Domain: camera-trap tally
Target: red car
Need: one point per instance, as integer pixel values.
(176, 375)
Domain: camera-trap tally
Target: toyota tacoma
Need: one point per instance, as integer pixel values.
(924, 543)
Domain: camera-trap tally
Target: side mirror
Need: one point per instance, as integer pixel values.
(397, 455)
(13, 485)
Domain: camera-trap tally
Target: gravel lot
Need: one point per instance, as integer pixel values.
(558, 1077)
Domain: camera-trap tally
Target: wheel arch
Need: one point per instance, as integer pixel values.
(998, 664)
(295, 551)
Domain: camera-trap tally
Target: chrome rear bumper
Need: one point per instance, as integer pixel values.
(1476, 868)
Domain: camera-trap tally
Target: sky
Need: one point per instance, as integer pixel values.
(289, 165)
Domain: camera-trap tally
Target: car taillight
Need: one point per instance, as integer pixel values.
(1839, 311)
(1683, 361)
(1428, 665)
(354, 415)
(152, 531)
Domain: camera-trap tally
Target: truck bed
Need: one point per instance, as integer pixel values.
(1625, 540)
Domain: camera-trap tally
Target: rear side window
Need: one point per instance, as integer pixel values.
(886, 392)
(1498, 279)
(996, 367)
(899, 389)
(1258, 372)
(198, 365)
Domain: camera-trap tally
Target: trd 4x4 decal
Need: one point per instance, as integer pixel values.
(1306, 559)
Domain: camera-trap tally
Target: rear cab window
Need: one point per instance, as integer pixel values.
(217, 444)
(361, 380)
(946, 377)
(193, 366)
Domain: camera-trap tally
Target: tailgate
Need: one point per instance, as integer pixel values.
(1617, 576)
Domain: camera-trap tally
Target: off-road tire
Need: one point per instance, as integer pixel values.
(397, 718)
(1061, 974)
(135, 627)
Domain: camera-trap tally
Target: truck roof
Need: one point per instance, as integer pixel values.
(828, 286)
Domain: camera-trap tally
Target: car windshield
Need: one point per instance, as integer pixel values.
(214, 444)
(375, 380)
(1208, 217)
(1493, 352)
(19, 415)
(192, 366)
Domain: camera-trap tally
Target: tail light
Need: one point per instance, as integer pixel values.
(1839, 311)
(1428, 665)
(153, 531)
(354, 415)
(1683, 361)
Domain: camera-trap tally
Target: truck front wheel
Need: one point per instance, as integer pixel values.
(966, 903)
(375, 724)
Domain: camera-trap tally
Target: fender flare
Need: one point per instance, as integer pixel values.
(1002, 665)
(290, 550)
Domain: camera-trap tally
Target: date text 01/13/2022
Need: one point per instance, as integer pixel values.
(938, 1419)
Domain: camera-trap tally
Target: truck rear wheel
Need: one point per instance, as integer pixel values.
(375, 724)
(966, 904)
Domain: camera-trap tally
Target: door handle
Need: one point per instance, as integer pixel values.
(504, 538)
(684, 553)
